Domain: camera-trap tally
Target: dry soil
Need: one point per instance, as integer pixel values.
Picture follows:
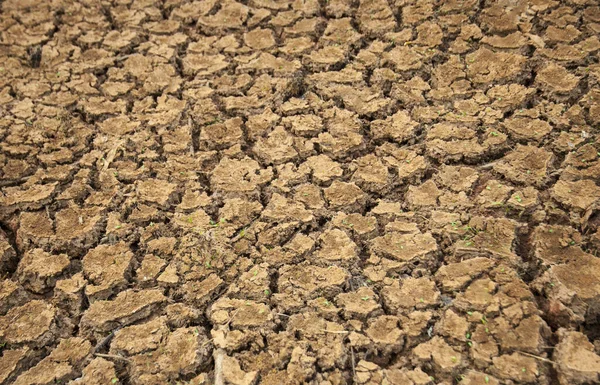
(299, 192)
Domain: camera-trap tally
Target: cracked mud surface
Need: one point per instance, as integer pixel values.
(299, 191)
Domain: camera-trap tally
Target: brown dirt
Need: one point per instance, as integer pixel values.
(299, 191)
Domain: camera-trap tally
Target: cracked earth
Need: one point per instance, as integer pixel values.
(299, 192)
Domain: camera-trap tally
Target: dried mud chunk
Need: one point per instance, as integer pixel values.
(68, 293)
(325, 58)
(409, 294)
(78, 226)
(565, 35)
(304, 125)
(526, 164)
(528, 336)
(38, 270)
(572, 291)
(341, 31)
(494, 195)
(489, 237)
(139, 339)
(107, 268)
(359, 304)
(34, 323)
(357, 224)
(575, 359)
(455, 276)
(234, 375)
(403, 58)
(238, 177)
(398, 127)
(33, 197)
(457, 178)
(127, 307)
(156, 191)
(96, 106)
(61, 365)
(426, 194)
(232, 15)
(376, 17)
(277, 148)
(487, 66)
(429, 34)
(363, 101)
(447, 73)
(408, 164)
(452, 325)
(527, 129)
(265, 62)
(475, 378)
(579, 195)
(197, 221)
(437, 351)
(241, 314)
(340, 145)
(478, 296)
(203, 65)
(324, 170)
(516, 367)
(281, 209)
(404, 247)
(253, 284)
(556, 244)
(311, 281)
(297, 46)
(371, 174)
(525, 199)
(219, 135)
(237, 213)
(509, 96)
(344, 196)
(200, 293)
(514, 40)
(11, 362)
(335, 246)
(556, 79)
(452, 143)
(192, 351)
(386, 334)
(98, 372)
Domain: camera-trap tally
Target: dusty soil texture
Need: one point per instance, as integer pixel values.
(300, 192)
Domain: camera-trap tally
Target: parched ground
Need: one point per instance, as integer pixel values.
(299, 192)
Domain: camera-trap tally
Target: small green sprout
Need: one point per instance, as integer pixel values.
(366, 298)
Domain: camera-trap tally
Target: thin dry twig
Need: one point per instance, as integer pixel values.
(537, 357)
(112, 356)
(353, 365)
